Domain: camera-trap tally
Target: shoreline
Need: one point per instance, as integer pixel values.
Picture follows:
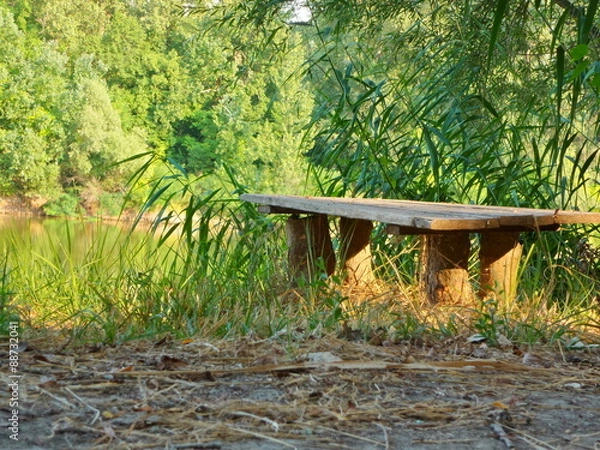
(19, 207)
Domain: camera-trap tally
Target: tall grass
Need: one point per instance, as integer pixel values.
(226, 276)
(434, 122)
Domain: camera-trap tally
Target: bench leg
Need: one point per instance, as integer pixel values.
(308, 242)
(499, 255)
(355, 251)
(444, 268)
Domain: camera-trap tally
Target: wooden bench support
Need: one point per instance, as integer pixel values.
(499, 255)
(355, 251)
(309, 242)
(444, 268)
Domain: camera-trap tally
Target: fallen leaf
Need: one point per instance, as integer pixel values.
(503, 341)
(499, 405)
(476, 338)
(169, 363)
(110, 432)
(263, 360)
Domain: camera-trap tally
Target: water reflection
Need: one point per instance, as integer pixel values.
(74, 240)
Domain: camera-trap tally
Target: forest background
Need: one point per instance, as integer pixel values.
(480, 102)
(179, 108)
(87, 85)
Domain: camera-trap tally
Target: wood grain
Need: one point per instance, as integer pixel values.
(425, 216)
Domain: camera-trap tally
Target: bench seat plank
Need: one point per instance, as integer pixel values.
(426, 216)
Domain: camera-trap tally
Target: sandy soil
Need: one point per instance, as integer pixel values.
(285, 393)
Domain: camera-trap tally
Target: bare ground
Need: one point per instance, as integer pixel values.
(326, 393)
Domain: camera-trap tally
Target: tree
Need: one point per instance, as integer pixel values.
(261, 121)
(75, 25)
(484, 101)
(195, 142)
(98, 140)
(32, 80)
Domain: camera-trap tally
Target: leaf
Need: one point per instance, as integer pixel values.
(144, 408)
(579, 52)
(589, 20)
(476, 338)
(323, 357)
(498, 17)
(560, 75)
(433, 154)
(488, 106)
(500, 405)
(580, 68)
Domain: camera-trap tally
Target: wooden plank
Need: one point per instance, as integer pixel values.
(559, 216)
(435, 209)
(575, 217)
(409, 231)
(442, 207)
(410, 208)
(424, 215)
(268, 209)
(364, 211)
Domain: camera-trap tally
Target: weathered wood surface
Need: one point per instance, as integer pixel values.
(445, 269)
(355, 251)
(499, 256)
(425, 216)
(444, 230)
(309, 244)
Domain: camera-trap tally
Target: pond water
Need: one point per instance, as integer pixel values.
(74, 240)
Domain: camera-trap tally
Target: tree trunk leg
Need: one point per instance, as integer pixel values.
(500, 254)
(309, 242)
(355, 251)
(444, 268)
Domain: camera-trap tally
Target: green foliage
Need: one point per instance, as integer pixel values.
(99, 141)
(86, 85)
(111, 204)
(8, 312)
(196, 142)
(30, 131)
(470, 102)
(67, 204)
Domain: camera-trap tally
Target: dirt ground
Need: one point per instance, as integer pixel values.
(284, 393)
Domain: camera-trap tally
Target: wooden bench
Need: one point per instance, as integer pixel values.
(445, 239)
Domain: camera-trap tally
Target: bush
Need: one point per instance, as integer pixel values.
(67, 204)
(111, 204)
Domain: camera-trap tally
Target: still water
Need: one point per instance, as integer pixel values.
(75, 241)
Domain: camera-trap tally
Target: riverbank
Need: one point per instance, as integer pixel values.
(18, 206)
(22, 207)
